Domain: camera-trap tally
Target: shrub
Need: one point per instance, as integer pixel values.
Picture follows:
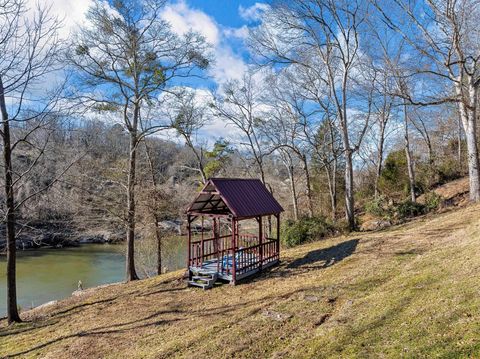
(448, 170)
(378, 207)
(432, 201)
(394, 181)
(409, 209)
(305, 229)
(394, 177)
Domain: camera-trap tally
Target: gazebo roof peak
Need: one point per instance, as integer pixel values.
(239, 197)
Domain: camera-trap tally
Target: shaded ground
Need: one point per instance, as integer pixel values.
(411, 291)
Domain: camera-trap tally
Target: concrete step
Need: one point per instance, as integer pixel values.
(203, 280)
(203, 285)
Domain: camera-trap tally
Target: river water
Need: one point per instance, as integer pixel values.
(49, 274)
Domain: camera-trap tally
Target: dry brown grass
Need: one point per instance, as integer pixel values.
(410, 291)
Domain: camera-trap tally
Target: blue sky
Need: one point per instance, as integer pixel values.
(225, 12)
(224, 23)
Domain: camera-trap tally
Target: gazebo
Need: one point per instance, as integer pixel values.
(232, 250)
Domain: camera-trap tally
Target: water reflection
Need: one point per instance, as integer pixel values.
(48, 274)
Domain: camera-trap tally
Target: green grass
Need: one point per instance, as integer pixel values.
(410, 291)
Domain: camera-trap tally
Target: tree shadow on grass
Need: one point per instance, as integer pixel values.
(23, 328)
(313, 260)
(325, 257)
(105, 330)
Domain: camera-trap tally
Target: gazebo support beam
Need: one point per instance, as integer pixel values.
(260, 240)
(189, 221)
(234, 264)
(278, 235)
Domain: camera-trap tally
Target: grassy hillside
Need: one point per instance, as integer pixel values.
(410, 291)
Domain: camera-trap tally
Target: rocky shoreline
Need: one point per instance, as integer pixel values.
(35, 238)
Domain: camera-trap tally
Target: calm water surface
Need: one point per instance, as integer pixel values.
(49, 274)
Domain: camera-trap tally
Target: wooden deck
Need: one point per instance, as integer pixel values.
(211, 267)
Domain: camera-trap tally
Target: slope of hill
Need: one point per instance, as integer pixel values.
(454, 193)
(412, 291)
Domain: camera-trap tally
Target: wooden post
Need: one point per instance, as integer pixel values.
(270, 226)
(201, 246)
(234, 264)
(260, 240)
(189, 247)
(278, 236)
(218, 252)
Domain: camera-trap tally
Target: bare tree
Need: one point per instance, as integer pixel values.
(321, 32)
(124, 58)
(447, 51)
(157, 198)
(319, 129)
(419, 122)
(383, 104)
(240, 104)
(28, 44)
(288, 126)
(408, 153)
(327, 146)
(187, 116)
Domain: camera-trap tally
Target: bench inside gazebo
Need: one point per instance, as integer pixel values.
(221, 244)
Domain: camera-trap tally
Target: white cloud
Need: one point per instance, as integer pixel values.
(71, 12)
(254, 12)
(236, 32)
(213, 129)
(182, 18)
(228, 65)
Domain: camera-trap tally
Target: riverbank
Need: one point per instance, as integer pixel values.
(46, 274)
(60, 234)
(411, 290)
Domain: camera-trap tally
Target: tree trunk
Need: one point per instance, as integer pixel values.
(293, 191)
(12, 310)
(459, 142)
(262, 171)
(334, 190)
(349, 200)
(332, 178)
(473, 171)
(156, 219)
(308, 186)
(159, 245)
(198, 156)
(469, 125)
(130, 265)
(259, 161)
(381, 142)
(411, 172)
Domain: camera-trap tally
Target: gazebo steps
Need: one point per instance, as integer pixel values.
(205, 281)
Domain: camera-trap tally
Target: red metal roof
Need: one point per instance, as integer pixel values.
(242, 197)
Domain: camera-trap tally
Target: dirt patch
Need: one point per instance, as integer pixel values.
(281, 317)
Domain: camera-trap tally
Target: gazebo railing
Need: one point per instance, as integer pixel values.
(252, 258)
(206, 249)
(247, 240)
(249, 254)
